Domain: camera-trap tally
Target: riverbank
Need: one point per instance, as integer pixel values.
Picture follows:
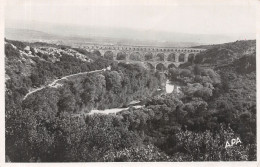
(169, 88)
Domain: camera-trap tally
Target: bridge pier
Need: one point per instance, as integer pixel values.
(177, 57)
(186, 57)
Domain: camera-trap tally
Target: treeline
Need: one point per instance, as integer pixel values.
(173, 127)
(224, 54)
(239, 46)
(223, 97)
(25, 73)
(99, 90)
(214, 106)
(43, 128)
(196, 124)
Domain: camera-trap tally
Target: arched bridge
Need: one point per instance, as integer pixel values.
(153, 57)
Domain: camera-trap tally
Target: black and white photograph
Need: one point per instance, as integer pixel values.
(130, 81)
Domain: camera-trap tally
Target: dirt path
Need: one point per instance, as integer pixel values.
(106, 111)
(55, 84)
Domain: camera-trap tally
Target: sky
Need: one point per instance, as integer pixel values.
(201, 17)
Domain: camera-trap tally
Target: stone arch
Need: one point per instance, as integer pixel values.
(109, 55)
(135, 56)
(191, 57)
(148, 56)
(160, 57)
(182, 57)
(150, 66)
(171, 66)
(171, 57)
(121, 56)
(160, 67)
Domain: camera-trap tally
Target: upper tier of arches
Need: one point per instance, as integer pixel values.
(144, 49)
(148, 56)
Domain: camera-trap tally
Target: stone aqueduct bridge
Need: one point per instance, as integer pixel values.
(154, 57)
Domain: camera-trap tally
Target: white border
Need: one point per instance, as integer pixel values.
(128, 2)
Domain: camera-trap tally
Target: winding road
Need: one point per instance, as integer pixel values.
(55, 84)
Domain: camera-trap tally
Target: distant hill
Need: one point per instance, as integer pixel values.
(226, 53)
(89, 36)
(239, 44)
(28, 35)
(125, 35)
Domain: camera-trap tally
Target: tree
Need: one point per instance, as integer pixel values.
(174, 74)
(197, 70)
(113, 81)
(208, 147)
(185, 73)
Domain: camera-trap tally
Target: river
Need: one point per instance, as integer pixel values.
(169, 88)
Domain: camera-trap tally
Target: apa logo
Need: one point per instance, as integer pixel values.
(233, 141)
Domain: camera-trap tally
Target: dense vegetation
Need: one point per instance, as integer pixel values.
(77, 94)
(217, 103)
(26, 72)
